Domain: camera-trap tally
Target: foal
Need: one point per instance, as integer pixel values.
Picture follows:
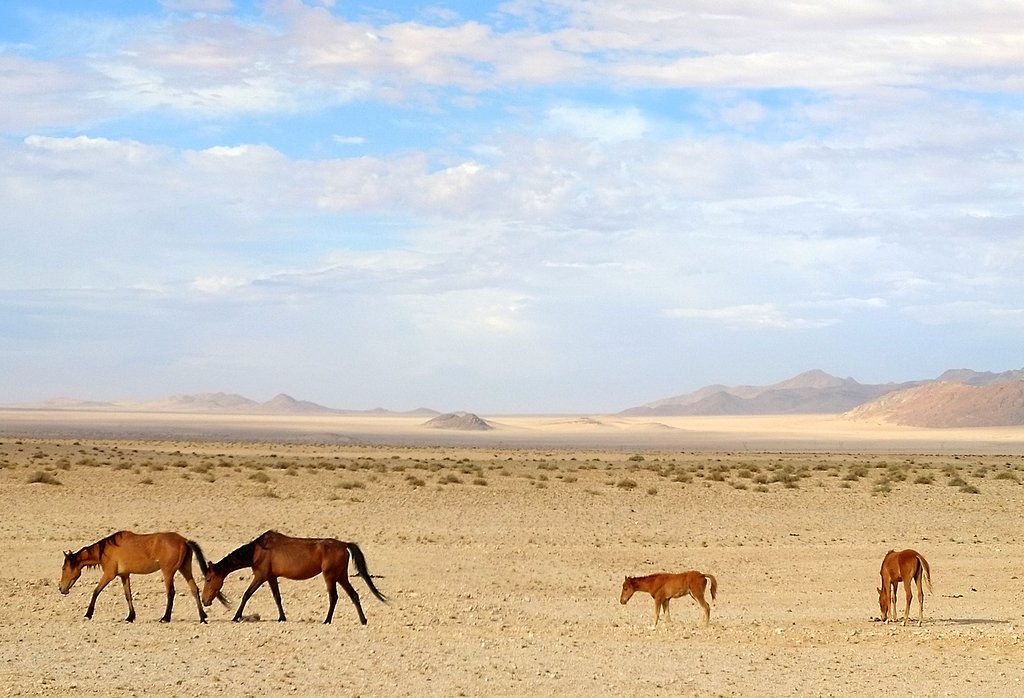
(904, 566)
(665, 586)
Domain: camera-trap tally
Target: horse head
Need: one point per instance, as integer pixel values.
(628, 587)
(69, 572)
(213, 581)
(883, 603)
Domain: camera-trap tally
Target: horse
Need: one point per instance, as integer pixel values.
(904, 566)
(666, 586)
(125, 553)
(272, 555)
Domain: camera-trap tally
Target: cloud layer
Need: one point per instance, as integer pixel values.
(557, 206)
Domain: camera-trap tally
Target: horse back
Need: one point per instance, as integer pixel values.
(671, 585)
(300, 558)
(903, 566)
(143, 553)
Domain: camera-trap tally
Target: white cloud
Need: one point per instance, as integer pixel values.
(197, 5)
(598, 124)
(751, 316)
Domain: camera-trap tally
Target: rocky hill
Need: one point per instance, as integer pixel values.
(812, 392)
(949, 404)
(459, 421)
(945, 401)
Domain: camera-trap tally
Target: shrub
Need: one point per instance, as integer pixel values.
(43, 477)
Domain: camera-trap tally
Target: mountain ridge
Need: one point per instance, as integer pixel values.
(817, 392)
(217, 403)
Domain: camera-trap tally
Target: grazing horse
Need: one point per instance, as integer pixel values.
(904, 566)
(125, 553)
(665, 586)
(274, 555)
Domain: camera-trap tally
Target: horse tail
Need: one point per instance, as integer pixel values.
(360, 560)
(927, 571)
(204, 567)
(200, 557)
(714, 585)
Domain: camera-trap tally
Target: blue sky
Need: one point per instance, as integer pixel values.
(520, 206)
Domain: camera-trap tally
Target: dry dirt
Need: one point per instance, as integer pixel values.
(503, 567)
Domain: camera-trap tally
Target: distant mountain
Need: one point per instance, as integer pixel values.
(999, 403)
(286, 404)
(459, 421)
(203, 402)
(969, 377)
(811, 392)
(215, 403)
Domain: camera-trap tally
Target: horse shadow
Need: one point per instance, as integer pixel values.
(971, 621)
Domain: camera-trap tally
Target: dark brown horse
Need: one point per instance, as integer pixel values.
(274, 555)
(665, 586)
(125, 553)
(904, 566)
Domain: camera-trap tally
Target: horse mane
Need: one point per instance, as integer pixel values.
(240, 557)
(100, 547)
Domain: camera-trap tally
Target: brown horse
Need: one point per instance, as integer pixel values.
(125, 553)
(904, 566)
(665, 586)
(274, 555)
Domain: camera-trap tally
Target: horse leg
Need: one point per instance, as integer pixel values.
(347, 586)
(704, 606)
(664, 607)
(169, 586)
(332, 598)
(893, 612)
(908, 590)
(126, 582)
(255, 584)
(920, 599)
(186, 572)
(657, 611)
(104, 581)
(277, 598)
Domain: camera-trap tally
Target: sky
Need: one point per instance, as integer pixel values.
(569, 206)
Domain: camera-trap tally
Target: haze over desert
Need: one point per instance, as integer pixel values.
(502, 552)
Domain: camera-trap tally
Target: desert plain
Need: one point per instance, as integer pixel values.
(502, 554)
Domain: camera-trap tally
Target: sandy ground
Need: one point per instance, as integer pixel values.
(503, 558)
